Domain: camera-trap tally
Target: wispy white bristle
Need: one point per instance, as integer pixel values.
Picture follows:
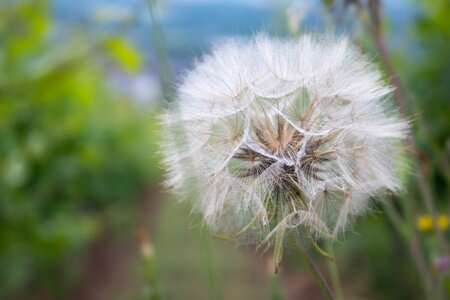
(275, 134)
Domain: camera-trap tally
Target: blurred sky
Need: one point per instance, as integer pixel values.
(191, 26)
(194, 23)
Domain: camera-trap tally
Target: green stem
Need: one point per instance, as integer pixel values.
(151, 291)
(210, 268)
(152, 280)
(406, 231)
(397, 222)
(165, 70)
(334, 273)
(318, 249)
(166, 79)
(276, 292)
(320, 280)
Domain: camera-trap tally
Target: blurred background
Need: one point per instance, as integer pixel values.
(82, 211)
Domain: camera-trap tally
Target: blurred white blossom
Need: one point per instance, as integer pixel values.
(271, 135)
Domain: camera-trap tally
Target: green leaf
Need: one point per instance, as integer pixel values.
(125, 53)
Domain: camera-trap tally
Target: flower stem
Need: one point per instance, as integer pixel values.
(276, 292)
(320, 280)
(210, 267)
(334, 273)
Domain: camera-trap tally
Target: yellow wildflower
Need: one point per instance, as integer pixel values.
(442, 222)
(425, 223)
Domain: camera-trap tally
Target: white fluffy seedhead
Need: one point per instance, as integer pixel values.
(271, 135)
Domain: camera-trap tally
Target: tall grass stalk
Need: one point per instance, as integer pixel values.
(167, 80)
(430, 283)
(165, 70)
(376, 31)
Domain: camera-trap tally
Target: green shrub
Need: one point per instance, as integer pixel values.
(73, 154)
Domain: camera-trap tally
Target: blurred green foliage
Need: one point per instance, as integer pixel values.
(72, 152)
(428, 79)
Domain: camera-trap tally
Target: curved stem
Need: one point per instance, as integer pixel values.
(320, 280)
(318, 249)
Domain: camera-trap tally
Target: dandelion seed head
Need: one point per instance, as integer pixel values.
(271, 135)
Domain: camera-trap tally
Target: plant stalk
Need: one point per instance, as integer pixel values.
(210, 267)
(334, 273)
(320, 280)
